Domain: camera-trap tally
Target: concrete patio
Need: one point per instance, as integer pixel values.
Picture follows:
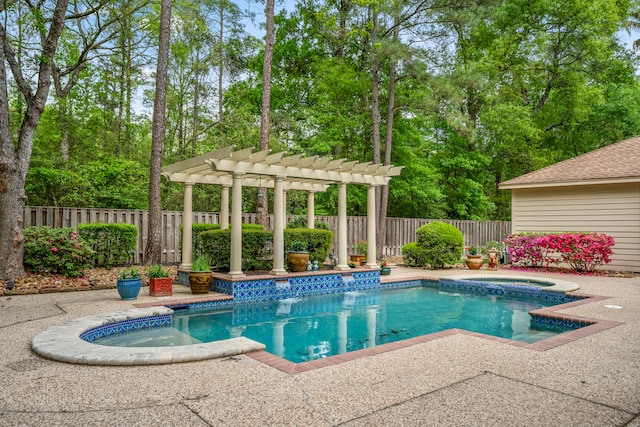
(456, 380)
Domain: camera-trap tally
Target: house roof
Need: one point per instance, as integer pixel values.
(616, 163)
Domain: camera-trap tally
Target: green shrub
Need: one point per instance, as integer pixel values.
(113, 244)
(413, 256)
(257, 248)
(441, 244)
(318, 241)
(298, 246)
(55, 250)
(198, 229)
(301, 222)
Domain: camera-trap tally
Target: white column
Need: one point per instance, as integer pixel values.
(371, 227)
(284, 208)
(342, 227)
(224, 208)
(311, 207)
(187, 220)
(278, 227)
(236, 227)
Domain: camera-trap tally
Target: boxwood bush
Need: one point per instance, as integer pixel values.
(318, 241)
(413, 256)
(301, 222)
(113, 244)
(198, 229)
(257, 248)
(441, 243)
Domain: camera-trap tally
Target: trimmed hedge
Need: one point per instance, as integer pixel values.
(257, 248)
(413, 256)
(198, 229)
(301, 222)
(318, 241)
(113, 244)
(441, 243)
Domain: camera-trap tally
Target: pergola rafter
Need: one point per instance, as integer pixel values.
(244, 168)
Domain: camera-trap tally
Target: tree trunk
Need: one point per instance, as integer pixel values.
(196, 100)
(63, 115)
(375, 114)
(14, 161)
(153, 251)
(262, 207)
(384, 197)
(220, 70)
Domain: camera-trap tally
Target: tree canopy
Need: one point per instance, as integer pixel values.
(480, 91)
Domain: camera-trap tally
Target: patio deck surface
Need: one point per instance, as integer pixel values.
(456, 379)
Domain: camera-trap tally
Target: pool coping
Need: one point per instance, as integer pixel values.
(63, 342)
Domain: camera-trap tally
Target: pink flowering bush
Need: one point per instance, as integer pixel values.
(581, 251)
(56, 251)
(527, 249)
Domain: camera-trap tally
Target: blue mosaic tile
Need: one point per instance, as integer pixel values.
(560, 324)
(125, 326)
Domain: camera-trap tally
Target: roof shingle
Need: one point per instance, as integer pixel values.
(616, 161)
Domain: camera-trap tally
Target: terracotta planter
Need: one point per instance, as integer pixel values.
(160, 287)
(200, 281)
(358, 259)
(474, 262)
(298, 261)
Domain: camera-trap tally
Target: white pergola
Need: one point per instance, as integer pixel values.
(244, 168)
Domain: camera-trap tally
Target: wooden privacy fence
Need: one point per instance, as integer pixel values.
(400, 231)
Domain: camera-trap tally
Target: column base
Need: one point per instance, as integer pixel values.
(278, 272)
(236, 274)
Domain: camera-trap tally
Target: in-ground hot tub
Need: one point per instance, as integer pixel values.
(547, 284)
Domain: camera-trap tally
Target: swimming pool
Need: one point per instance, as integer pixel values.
(318, 326)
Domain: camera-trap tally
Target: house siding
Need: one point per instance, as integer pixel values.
(611, 209)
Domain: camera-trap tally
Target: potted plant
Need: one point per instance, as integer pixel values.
(359, 249)
(298, 256)
(200, 276)
(474, 258)
(385, 270)
(160, 282)
(129, 284)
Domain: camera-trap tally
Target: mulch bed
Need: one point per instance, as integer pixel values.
(92, 280)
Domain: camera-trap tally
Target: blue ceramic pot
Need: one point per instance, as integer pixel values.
(128, 288)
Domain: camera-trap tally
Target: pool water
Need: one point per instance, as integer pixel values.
(308, 328)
